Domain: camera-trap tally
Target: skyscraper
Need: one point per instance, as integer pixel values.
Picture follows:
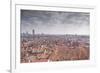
(33, 31)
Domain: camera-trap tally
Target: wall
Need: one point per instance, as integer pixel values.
(5, 36)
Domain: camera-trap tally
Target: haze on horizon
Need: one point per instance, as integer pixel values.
(53, 22)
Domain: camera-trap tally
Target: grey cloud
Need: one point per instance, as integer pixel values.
(54, 22)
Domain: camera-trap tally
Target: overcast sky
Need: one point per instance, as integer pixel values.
(50, 22)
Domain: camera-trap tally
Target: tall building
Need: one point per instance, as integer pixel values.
(33, 31)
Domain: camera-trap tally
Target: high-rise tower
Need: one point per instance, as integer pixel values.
(33, 31)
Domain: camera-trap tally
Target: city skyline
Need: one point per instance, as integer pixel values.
(52, 22)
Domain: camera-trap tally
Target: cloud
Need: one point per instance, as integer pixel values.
(52, 22)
